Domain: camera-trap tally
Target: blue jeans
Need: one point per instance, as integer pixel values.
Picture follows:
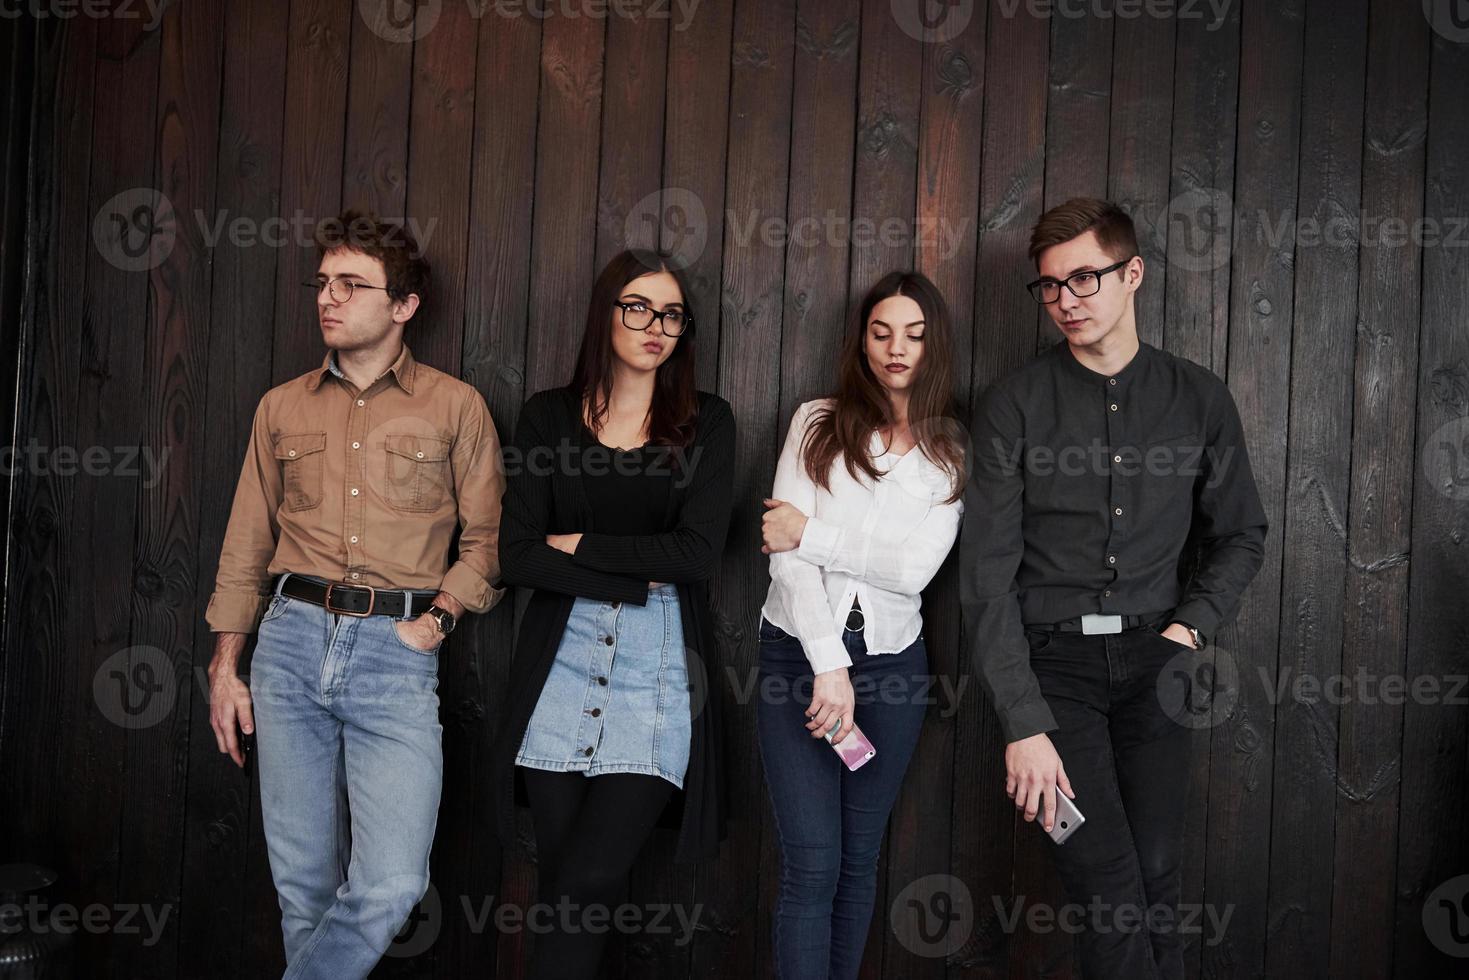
(348, 752)
(829, 820)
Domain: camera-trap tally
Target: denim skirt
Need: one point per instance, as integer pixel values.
(617, 696)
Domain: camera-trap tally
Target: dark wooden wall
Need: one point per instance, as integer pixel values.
(533, 145)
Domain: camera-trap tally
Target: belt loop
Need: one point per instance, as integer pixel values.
(280, 583)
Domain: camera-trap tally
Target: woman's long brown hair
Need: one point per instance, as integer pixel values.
(675, 409)
(861, 404)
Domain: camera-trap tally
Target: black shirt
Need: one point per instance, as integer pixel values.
(628, 488)
(1084, 490)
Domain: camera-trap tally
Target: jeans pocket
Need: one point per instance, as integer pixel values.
(275, 608)
(393, 628)
(771, 633)
(1040, 640)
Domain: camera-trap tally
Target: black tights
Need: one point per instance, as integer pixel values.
(589, 830)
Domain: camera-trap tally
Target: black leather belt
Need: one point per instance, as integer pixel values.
(1073, 625)
(356, 600)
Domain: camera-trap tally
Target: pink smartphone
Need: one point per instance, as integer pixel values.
(854, 750)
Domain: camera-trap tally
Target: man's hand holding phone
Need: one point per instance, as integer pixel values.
(1033, 771)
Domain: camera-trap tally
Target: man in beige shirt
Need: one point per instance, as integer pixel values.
(355, 479)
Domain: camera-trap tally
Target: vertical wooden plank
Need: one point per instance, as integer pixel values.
(734, 939)
(495, 313)
(1078, 114)
(632, 133)
(1375, 623)
(222, 836)
(1261, 317)
(691, 212)
(311, 171)
(1139, 138)
(1012, 171)
(563, 235)
(1314, 561)
(886, 176)
(132, 228)
(1195, 230)
(1431, 846)
(375, 147)
(173, 416)
(39, 598)
(952, 102)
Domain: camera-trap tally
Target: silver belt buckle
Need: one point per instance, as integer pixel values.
(1097, 623)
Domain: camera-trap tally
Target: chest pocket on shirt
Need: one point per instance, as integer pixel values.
(1170, 466)
(300, 457)
(417, 475)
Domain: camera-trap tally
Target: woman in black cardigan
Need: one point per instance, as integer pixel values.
(615, 512)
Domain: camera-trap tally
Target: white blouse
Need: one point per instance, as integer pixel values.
(879, 543)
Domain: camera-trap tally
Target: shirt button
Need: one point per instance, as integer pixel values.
(356, 445)
(602, 681)
(607, 640)
(291, 453)
(1106, 592)
(596, 712)
(354, 575)
(1114, 406)
(1116, 459)
(361, 402)
(354, 491)
(1118, 512)
(354, 539)
(1111, 381)
(1111, 559)
(420, 455)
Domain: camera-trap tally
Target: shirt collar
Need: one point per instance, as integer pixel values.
(402, 370)
(1083, 373)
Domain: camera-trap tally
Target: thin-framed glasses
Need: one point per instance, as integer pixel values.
(640, 316)
(339, 288)
(1081, 284)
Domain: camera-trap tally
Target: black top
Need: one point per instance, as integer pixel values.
(545, 496)
(628, 489)
(1083, 493)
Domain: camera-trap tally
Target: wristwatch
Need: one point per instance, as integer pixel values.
(1199, 640)
(443, 618)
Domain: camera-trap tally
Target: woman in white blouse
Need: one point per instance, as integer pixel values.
(867, 503)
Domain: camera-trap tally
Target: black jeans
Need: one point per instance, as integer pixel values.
(1127, 758)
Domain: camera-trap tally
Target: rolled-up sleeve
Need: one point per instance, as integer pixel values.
(241, 585)
(479, 486)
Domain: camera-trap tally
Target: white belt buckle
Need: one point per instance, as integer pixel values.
(1097, 623)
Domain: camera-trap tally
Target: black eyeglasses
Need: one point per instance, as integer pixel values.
(1081, 284)
(640, 316)
(337, 294)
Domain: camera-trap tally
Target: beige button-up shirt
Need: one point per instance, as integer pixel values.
(364, 487)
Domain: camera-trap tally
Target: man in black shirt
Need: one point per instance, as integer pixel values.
(1094, 467)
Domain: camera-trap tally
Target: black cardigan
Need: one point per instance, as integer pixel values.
(541, 500)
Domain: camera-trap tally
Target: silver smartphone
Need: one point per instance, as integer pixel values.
(1068, 819)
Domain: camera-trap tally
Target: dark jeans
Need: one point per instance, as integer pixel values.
(829, 820)
(1128, 762)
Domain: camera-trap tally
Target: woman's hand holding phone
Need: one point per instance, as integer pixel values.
(832, 698)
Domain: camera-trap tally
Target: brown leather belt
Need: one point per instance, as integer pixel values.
(355, 600)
